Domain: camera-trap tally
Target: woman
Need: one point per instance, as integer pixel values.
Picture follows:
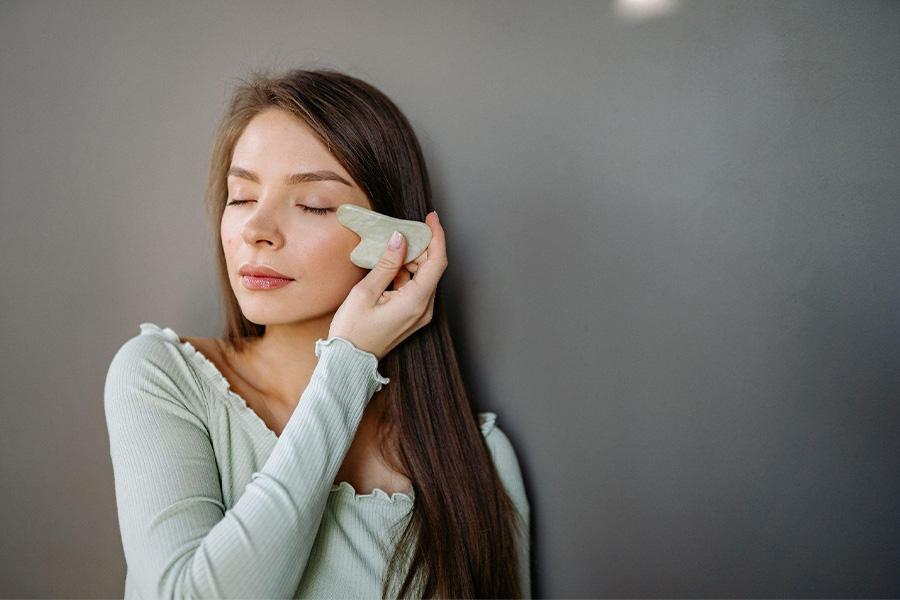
(326, 445)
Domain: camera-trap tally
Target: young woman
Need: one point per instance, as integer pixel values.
(325, 446)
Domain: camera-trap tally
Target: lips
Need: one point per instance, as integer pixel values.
(262, 271)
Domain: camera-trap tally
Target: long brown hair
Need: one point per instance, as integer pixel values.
(459, 541)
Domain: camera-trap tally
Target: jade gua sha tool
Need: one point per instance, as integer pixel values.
(375, 229)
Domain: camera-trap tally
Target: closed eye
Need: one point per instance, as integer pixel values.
(318, 211)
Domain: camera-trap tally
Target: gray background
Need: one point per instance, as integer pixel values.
(673, 265)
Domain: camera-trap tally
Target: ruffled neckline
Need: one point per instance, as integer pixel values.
(212, 374)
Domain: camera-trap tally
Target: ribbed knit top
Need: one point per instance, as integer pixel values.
(212, 503)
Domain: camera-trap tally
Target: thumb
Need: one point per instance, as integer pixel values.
(385, 270)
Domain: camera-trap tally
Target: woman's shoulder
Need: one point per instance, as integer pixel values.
(505, 459)
(153, 362)
(487, 422)
(156, 345)
(498, 442)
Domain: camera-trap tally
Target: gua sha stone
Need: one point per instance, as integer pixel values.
(375, 229)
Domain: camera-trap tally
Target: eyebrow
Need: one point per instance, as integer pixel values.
(296, 178)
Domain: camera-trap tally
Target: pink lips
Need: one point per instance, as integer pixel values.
(261, 271)
(264, 283)
(262, 277)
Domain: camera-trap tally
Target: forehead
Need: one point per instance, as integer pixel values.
(283, 142)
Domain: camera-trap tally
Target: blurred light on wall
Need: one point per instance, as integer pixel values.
(638, 10)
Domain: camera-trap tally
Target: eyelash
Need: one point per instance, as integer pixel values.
(318, 211)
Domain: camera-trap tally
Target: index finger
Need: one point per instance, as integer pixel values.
(429, 272)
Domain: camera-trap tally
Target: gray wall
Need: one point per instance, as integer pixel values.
(674, 265)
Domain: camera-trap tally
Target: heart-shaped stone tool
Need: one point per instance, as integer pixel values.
(375, 229)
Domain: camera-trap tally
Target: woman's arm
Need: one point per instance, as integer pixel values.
(178, 539)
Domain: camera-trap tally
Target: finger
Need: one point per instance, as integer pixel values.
(428, 313)
(413, 266)
(401, 279)
(385, 270)
(436, 247)
(385, 296)
(429, 272)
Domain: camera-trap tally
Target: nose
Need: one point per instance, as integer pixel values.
(261, 225)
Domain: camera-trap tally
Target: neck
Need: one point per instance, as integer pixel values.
(279, 364)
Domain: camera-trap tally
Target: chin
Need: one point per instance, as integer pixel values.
(280, 313)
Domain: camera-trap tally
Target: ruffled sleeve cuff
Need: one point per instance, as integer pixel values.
(344, 354)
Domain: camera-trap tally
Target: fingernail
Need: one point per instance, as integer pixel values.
(395, 240)
(436, 216)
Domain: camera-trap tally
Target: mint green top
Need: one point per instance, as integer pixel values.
(211, 503)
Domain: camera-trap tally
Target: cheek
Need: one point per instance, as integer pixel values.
(228, 246)
(329, 261)
(325, 258)
(228, 236)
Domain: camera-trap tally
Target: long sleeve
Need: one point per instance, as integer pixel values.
(178, 539)
(511, 475)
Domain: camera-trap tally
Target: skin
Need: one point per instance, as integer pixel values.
(314, 249)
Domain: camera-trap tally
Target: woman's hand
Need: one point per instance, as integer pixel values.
(376, 319)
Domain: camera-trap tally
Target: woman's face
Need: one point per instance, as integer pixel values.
(278, 229)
